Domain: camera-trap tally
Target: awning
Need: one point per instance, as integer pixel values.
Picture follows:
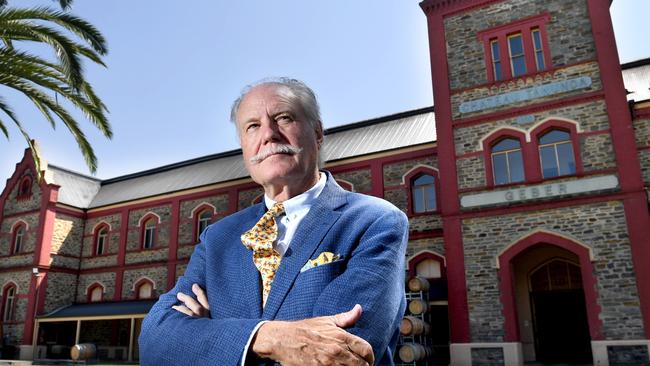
(100, 311)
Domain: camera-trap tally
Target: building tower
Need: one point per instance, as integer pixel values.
(543, 205)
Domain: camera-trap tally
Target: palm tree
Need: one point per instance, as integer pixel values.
(38, 78)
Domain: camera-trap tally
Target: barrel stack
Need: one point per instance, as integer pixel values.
(413, 347)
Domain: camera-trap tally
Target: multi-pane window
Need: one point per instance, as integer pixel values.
(517, 49)
(25, 188)
(507, 162)
(8, 306)
(149, 234)
(538, 48)
(202, 222)
(19, 237)
(102, 236)
(496, 59)
(423, 189)
(516, 53)
(556, 154)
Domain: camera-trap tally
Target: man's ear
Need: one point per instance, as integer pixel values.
(319, 134)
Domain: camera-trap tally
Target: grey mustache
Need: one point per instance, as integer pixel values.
(277, 149)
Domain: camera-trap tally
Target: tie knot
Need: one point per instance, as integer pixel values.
(277, 209)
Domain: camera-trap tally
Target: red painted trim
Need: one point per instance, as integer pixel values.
(641, 148)
(595, 133)
(65, 211)
(413, 262)
(64, 256)
(452, 7)
(117, 269)
(536, 133)
(620, 120)
(195, 219)
(507, 283)
(347, 185)
(22, 195)
(450, 204)
(6, 289)
(144, 281)
(377, 178)
(12, 243)
(642, 113)
(638, 222)
(529, 109)
(143, 224)
(172, 254)
(408, 182)
(121, 254)
(501, 34)
(433, 233)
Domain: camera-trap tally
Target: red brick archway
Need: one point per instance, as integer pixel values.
(507, 283)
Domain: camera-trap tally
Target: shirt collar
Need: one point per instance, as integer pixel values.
(302, 202)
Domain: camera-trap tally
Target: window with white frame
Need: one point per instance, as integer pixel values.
(203, 220)
(507, 162)
(102, 237)
(8, 306)
(423, 189)
(556, 154)
(149, 234)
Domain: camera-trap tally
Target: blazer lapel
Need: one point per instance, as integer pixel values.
(308, 237)
(249, 275)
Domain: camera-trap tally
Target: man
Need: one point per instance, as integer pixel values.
(314, 275)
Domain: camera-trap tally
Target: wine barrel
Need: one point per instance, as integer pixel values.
(411, 325)
(412, 352)
(417, 284)
(417, 307)
(83, 351)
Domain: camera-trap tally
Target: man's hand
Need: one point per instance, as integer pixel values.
(192, 307)
(314, 341)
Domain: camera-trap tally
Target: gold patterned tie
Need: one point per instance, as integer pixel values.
(260, 239)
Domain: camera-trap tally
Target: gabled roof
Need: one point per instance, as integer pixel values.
(366, 137)
(76, 190)
(636, 77)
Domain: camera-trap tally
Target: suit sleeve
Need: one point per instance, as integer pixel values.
(169, 337)
(374, 278)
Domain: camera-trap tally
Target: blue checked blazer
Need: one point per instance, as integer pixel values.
(368, 233)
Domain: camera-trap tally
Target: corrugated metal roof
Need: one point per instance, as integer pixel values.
(636, 77)
(386, 133)
(76, 190)
(93, 310)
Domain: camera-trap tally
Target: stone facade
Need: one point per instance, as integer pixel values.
(186, 227)
(67, 234)
(106, 279)
(600, 226)
(570, 26)
(156, 274)
(247, 196)
(360, 179)
(487, 357)
(114, 226)
(163, 227)
(393, 172)
(14, 205)
(7, 235)
(435, 245)
(60, 291)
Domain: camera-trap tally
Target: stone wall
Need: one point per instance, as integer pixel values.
(114, 223)
(569, 30)
(247, 196)
(188, 221)
(470, 172)
(642, 132)
(60, 290)
(67, 235)
(360, 179)
(163, 228)
(601, 226)
(436, 245)
(106, 279)
(13, 205)
(99, 261)
(644, 158)
(394, 172)
(147, 256)
(157, 274)
(6, 234)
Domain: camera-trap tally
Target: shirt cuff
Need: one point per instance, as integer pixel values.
(250, 339)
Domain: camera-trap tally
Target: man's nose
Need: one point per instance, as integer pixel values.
(270, 131)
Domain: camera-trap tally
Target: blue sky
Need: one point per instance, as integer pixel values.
(174, 69)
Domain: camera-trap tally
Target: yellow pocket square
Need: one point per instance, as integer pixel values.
(323, 258)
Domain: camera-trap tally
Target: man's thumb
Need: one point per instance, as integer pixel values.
(348, 318)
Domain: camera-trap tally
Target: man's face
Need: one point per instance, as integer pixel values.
(266, 120)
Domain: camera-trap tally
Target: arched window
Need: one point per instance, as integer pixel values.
(428, 268)
(423, 189)
(556, 154)
(149, 233)
(202, 221)
(95, 293)
(101, 240)
(507, 161)
(19, 239)
(144, 289)
(25, 188)
(9, 303)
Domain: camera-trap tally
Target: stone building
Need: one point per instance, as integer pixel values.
(531, 227)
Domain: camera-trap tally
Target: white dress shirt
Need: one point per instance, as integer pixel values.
(295, 209)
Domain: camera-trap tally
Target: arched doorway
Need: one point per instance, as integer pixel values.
(558, 309)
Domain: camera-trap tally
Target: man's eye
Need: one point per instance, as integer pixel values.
(283, 118)
(252, 127)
